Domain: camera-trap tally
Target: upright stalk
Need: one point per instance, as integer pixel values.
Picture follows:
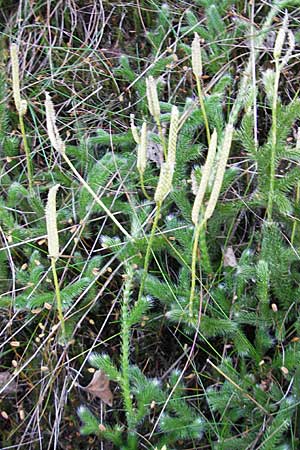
(21, 107)
(202, 106)
(198, 71)
(53, 249)
(27, 152)
(58, 299)
(297, 193)
(193, 268)
(148, 251)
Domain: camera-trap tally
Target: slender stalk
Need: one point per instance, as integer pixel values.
(143, 187)
(193, 269)
(204, 251)
(200, 95)
(199, 239)
(58, 298)
(252, 399)
(21, 107)
(162, 138)
(148, 251)
(27, 152)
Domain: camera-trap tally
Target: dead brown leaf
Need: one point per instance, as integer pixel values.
(99, 387)
(229, 258)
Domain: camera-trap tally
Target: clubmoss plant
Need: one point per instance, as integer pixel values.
(197, 207)
(141, 151)
(154, 108)
(59, 145)
(198, 72)
(53, 250)
(163, 189)
(21, 107)
(140, 394)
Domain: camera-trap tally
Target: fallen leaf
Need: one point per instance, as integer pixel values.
(4, 379)
(99, 387)
(155, 153)
(229, 258)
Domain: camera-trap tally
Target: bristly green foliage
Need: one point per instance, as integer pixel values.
(140, 394)
(286, 157)
(178, 422)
